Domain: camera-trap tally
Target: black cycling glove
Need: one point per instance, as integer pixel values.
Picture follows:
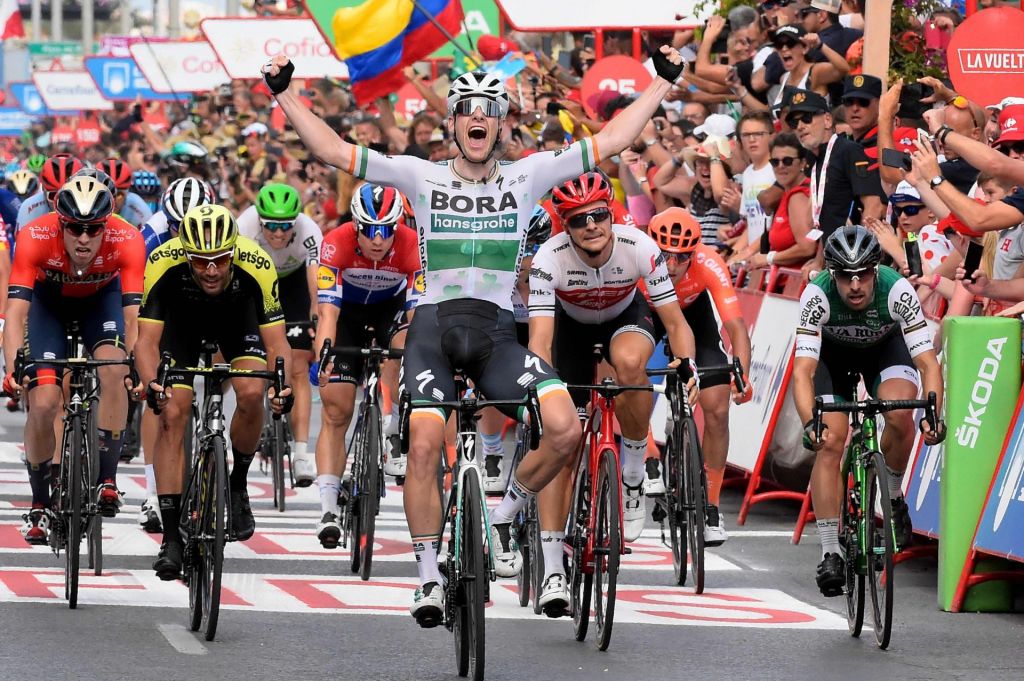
(280, 82)
(665, 68)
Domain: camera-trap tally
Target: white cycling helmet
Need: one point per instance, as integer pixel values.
(478, 84)
(183, 195)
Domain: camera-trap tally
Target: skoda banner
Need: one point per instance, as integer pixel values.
(243, 45)
(120, 80)
(63, 90)
(922, 492)
(1001, 530)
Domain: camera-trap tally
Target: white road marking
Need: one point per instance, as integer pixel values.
(181, 639)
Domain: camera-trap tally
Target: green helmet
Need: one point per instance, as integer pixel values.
(278, 201)
(35, 163)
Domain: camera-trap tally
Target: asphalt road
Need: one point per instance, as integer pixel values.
(296, 612)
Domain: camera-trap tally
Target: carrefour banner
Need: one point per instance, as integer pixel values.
(1001, 530)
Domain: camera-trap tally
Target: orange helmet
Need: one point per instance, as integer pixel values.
(675, 230)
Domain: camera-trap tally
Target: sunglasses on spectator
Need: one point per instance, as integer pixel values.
(583, 219)
(862, 102)
(805, 117)
(678, 257)
(277, 225)
(779, 44)
(371, 231)
(204, 262)
(80, 228)
(1015, 147)
(909, 210)
(772, 4)
(466, 107)
(806, 11)
(784, 161)
(847, 276)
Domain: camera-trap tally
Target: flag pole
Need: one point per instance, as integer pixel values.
(446, 33)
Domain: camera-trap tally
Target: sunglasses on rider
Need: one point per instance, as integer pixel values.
(466, 107)
(678, 257)
(80, 228)
(910, 210)
(583, 219)
(204, 262)
(784, 161)
(371, 231)
(805, 117)
(847, 276)
(277, 225)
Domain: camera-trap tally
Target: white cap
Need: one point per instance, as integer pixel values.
(904, 192)
(717, 125)
(833, 6)
(1009, 101)
(254, 129)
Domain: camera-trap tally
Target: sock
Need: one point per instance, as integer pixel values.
(150, 481)
(425, 548)
(39, 481)
(553, 546)
(828, 533)
(493, 444)
(330, 486)
(298, 450)
(515, 500)
(170, 513)
(895, 483)
(110, 442)
(392, 426)
(714, 484)
(633, 454)
(240, 470)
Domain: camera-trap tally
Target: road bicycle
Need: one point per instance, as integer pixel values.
(526, 530)
(865, 521)
(206, 512)
(469, 561)
(274, 449)
(684, 503)
(367, 448)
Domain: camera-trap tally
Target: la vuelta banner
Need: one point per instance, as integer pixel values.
(243, 45)
(986, 56)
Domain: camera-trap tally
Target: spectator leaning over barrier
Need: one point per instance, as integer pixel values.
(788, 244)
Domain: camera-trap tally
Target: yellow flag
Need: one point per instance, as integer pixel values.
(366, 27)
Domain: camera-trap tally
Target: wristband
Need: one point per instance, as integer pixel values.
(935, 282)
(943, 133)
(770, 257)
(676, 162)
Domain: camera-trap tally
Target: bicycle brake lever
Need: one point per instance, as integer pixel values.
(818, 402)
(536, 427)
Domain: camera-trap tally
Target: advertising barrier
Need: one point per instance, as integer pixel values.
(31, 102)
(986, 57)
(119, 79)
(178, 66)
(243, 45)
(982, 363)
(63, 90)
(13, 121)
(543, 15)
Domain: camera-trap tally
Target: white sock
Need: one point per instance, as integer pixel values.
(493, 444)
(828, 533)
(633, 454)
(392, 426)
(895, 483)
(515, 500)
(150, 481)
(330, 486)
(425, 549)
(299, 450)
(553, 546)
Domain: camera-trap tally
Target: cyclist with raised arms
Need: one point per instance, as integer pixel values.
(81, 264)
(368, 274)
(292, 240)
(472, 214)
(860, 319)
(701, 278)
(584, 281)
(208, 285)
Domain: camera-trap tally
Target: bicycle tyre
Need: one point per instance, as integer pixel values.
(212, 546)
(848, 529)
(277, 463)
(77, 489)
(95, 521)
(696, 503)
(672, 465)
(190, 514)
(881, 547)
(370, 490)
(524, 579)
(468, 629)
(609, 542)
(355, 526)
(581, 581)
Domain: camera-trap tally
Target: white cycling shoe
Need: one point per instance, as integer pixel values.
(508, 560)
(304, 470)
(495, 480)
(714, 529)
(633, 511)
(394, 466)
(428, 605)
(654, 478)
(554, 596)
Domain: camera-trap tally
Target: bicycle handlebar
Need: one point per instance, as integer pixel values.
(872, 407)
(222, 371)
(327, 352)
(21, 360)
(681, 371)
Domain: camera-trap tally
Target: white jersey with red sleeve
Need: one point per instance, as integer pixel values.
(346, 276)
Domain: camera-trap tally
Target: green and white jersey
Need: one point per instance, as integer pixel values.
(823, 314)
(472, 234)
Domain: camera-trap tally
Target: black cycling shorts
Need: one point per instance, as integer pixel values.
(575, 341)
(293, 291)
(357, 324)
(477, 338)
(707, 336)
(840, 367)
(235, 330)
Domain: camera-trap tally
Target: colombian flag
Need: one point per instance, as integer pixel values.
(379, 37)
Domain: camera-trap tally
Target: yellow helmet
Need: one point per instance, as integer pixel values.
(208, 229)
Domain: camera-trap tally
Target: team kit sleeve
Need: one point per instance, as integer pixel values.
(650, 261)
(549, 168)
(158, 264)
(905, 308)
(814, 314)
(714, 273)
(249, 222)
(133, 268)
(25, 266)
(328, 273)
(401, 172)
(542, 281)
(311, 236)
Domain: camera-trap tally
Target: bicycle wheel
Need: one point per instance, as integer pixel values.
(355, 522)
(607, 547)
(77, 491)
(472, 582)
(581, 579)
(879, 549)
(695, 504)
(673, 465)
(848, 524)
(370, 488)
(191, 505)
(277, 463)
(213, 528)
(521, 532)
(95, 520)
(96, 544)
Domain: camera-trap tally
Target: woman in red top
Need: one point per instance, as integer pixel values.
(787, 237)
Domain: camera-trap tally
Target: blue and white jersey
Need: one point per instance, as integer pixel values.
(158, 231)
(135, 210)
(31, 208)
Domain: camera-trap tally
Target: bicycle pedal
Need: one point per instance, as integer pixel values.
(626, 550)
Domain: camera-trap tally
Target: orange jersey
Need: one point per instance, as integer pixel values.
(42, 259)
(708, 272)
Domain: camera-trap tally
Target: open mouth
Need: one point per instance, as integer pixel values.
(477, 132)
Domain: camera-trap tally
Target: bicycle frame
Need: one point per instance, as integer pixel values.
(863, 443)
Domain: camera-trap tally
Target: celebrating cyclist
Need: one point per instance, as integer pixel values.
(701, 278)
(80, 264)
(293, 242)
(472, 214)
(859, 320)
(366, 269)
(584, 281)
(207, 285)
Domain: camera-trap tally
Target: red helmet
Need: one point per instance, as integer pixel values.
(57, 170)
(675, 230)
(118, 171)
(582, 191)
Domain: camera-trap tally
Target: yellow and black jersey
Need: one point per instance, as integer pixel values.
(171, 292)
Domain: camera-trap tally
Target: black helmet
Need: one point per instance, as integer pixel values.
(852, 248)
(540, 226)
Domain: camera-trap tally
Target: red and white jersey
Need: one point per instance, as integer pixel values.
(592, 296)
(346, 276)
